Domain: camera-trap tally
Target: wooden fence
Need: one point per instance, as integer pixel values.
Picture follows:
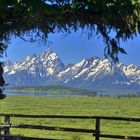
(96, 132)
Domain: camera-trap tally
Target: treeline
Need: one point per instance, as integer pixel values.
(121, 95)
(129, 95)
(52, 89)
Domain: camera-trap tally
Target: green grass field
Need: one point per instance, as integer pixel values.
(103, 106)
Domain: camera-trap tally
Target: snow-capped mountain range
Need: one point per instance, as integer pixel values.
(94, 73)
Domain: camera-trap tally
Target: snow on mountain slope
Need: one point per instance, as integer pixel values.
(93, 72)
(133, 72)
(48, 63)
(34, 70)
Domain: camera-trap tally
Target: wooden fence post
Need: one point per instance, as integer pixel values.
(97, 135)
(0, 134)
(7, 129)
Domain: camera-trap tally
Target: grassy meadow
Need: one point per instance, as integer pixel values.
(99, 106)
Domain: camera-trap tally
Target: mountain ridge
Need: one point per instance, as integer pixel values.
(93, 73)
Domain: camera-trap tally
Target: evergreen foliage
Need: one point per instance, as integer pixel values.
(38, 18)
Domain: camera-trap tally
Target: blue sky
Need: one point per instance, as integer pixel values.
(72, 48)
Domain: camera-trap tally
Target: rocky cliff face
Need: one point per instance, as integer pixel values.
(93, 73)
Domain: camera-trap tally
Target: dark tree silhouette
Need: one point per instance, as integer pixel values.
(38, 18)
(2, 82)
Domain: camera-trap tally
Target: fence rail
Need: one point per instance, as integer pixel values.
(96, 133)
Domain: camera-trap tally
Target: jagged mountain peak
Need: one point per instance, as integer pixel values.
(47, 52)
(29, 58)
(93, 72)
(47, 63)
